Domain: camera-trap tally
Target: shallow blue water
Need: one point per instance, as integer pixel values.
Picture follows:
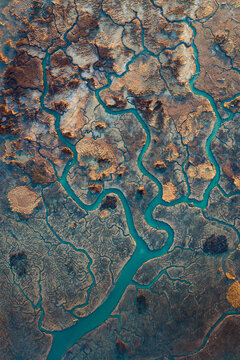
(66, 338)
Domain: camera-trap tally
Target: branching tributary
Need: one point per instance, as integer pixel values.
(63, 340)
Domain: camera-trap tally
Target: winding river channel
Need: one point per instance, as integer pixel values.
(63, 340)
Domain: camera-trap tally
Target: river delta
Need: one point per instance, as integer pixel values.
(120, 180)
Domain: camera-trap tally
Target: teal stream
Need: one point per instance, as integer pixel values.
(63, 340)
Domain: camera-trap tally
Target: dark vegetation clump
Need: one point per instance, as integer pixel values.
(141, 190)
(110, 202)
(121, 347)
(8, 121)
(38, 172)
(142, 304)
(235, 169)
(18, 262)
(103, 162)
(67, 151)
(61, 106)
(215, 244)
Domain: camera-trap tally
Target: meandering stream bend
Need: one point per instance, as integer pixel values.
(63, 340)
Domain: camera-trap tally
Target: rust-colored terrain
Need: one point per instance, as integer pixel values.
(120, 180)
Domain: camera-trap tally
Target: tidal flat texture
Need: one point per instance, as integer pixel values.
(120, 180)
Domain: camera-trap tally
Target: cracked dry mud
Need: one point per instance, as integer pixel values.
(120, 179)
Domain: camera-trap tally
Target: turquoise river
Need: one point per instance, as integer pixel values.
(63, 340)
